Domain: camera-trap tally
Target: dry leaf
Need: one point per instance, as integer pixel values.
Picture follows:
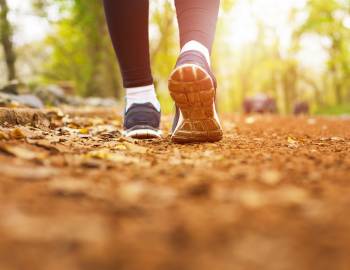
(292, 142)
(4, 136)
(55, 112)
(99, 154)
(120, 147)
(48, 145)
(132, 192)
(271, 177)
(69, 187)
(120, 157)
(28, 173)
(84, 131)
(73, 125)
(134, 148)
(126, 139)
(250, 120)
(311, 121)
(291, 195)
(21, 152)
(337, 139)
(17, 134)
(251, 198)
(116, 122)
(106, 154)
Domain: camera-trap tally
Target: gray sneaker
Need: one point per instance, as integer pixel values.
(142, 121)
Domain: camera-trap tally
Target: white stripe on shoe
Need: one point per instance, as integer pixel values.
(143, 134)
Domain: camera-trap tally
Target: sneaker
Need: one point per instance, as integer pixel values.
(142, 121)
(193, 87)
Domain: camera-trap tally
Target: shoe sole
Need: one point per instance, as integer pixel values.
(193, 91)
(143, 134)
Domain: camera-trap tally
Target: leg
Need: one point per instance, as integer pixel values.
(128, 25)
(192, 84)
(197, 21)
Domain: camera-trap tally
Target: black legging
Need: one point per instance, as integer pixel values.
(128, 25)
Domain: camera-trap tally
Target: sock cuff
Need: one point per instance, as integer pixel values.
(140, 89)
(194, 45)
(141, 94)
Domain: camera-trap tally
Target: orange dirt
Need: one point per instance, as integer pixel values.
(273, 194)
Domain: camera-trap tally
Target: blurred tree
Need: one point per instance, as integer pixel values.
(227, 5)
(164, 47)
(81, 51)
(262, 68)
(328, 19)
(6, 41)
(264, 65)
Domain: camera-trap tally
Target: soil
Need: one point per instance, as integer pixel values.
(273, 194)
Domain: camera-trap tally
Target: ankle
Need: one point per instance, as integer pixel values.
(197, 46)
(140, 95)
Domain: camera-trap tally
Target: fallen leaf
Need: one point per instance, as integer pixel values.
(271, 177)
(96, 121)
(116, 122)
(132, 192)
(4, 136)
(74, 227)
(17, 134)
(291, 195)
(21, 152)
(126, 139)
(28, 173)
(84, 131)
(134, 148)
(68, 187)
(120, 147)
(251, 198)
(292, 142)
(73, 125)
(120, 157)
(99, 154)
(250, 120)
(55, 112)
(51, 146)
(106, 154)
(311, 121)
(229, 125)
(337, 139)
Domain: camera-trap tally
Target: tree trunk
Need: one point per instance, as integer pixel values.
(338, 91)
(6, 40)
(335, 70)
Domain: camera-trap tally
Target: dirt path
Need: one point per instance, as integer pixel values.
(274, 194)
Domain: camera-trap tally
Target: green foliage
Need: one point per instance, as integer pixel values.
(328, 19)
(81, 50)
(227, 5)
(164, 48)
(343, 109)
(262, 65)
(6, 33)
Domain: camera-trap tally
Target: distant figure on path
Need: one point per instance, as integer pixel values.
(261, 103)
(301, 108)
(192, 84)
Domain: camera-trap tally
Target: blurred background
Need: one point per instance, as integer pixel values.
(292, 55)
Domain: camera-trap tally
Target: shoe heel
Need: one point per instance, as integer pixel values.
(193, 91)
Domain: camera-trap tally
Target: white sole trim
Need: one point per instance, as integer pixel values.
(143, 134)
